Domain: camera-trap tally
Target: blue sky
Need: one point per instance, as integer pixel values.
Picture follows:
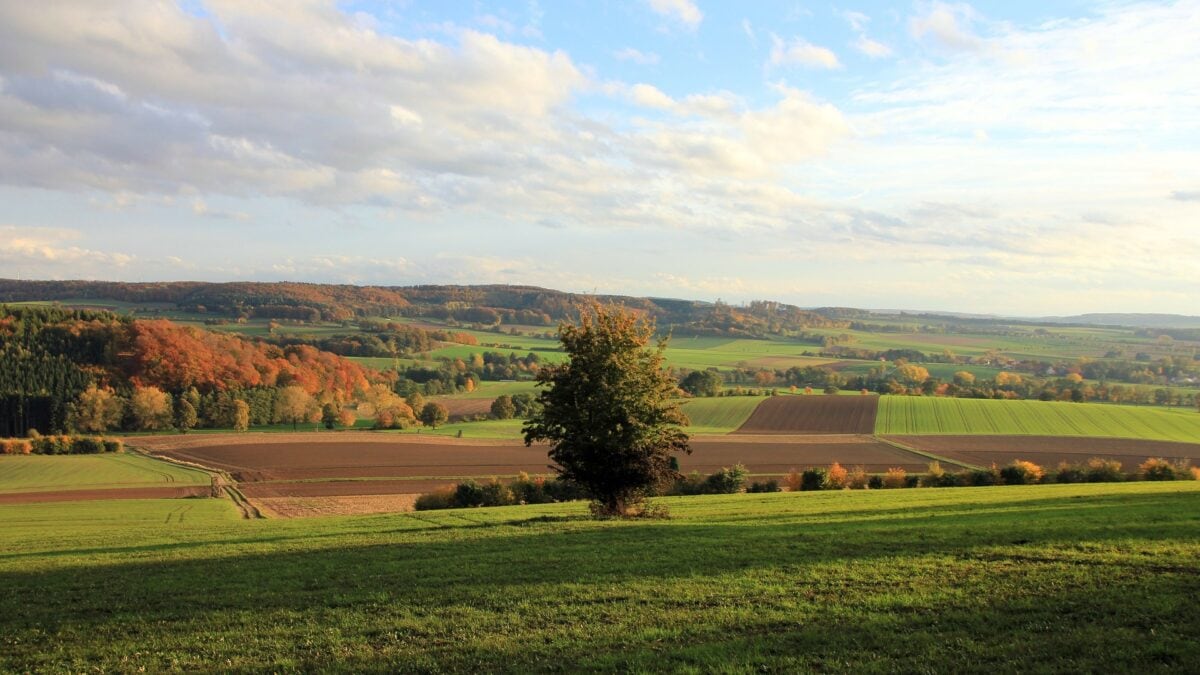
(1018, 158)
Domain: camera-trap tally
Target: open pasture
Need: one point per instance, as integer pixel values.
(1049, 451)
(912, 415)
(911, 580)
(813, 414)
(41, 478)
(720, 414)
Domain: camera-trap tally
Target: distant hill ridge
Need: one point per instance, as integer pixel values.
(513, 304)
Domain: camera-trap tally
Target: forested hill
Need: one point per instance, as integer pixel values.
(486, 305)
(50, 356)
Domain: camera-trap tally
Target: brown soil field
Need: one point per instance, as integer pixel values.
(341, 488)
(1049, 451)
(815, 414)
(465, 407)
(112, 493)
(302, 507)
(315, 457)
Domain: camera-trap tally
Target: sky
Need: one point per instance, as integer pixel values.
(1021, 158)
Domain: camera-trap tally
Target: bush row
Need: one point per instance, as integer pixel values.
(60, 445)
(1020, 472)
(524, 490)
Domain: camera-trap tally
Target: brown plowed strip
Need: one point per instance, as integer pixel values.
(117, 493)
(465, 407)
(1049, 451)
(439, 463)
(301, 507)
(341, 488)
(815, 414)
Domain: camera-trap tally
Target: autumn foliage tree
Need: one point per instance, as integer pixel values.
(151, 408)
(608, 410)
(96, 410)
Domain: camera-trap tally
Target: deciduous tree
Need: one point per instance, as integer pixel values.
(608, 412)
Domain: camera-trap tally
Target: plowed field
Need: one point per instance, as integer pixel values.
(1048, 451)
(817, 414)
(314, 465)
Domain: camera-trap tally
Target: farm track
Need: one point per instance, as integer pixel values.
(818, 414)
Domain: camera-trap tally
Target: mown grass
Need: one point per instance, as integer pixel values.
(929, 415)
(1066, 578)
(34, 473)
(719, 415)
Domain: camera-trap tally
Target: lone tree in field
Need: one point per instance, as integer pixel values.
(608, 411)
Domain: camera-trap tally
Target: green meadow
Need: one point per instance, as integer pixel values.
(1075, 578)
(720, 415)
(33, 473)
(929, 415)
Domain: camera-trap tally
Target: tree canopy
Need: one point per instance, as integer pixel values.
(608, 410)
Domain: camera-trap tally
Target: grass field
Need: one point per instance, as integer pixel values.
(928, 415)
(719, 415)
(1046, 578)
(33, 473)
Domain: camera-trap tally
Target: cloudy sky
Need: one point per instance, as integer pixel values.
(1020, 158)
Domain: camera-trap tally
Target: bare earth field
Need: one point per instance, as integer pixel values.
(816, 414)
(1048, 451)
(294, 473)
(459, 408)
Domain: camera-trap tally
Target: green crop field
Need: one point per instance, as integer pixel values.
(1072, 578)
(719, 415)
(32, 473)
(927, 415)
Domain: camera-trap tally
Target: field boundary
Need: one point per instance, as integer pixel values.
(917, 451)
(221, 484)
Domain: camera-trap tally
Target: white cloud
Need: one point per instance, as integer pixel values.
(683, 11)
(748, 29)
(947, 25)
(650, 97)
(872, 48)
(48, 252)
(636, 56)
(800, 52)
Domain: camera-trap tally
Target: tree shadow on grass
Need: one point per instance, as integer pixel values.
(471, 580)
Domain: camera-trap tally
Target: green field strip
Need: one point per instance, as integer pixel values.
(903, 415)
(45, 473)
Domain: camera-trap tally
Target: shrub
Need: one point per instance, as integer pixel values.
(560, 490)
(793, 481)
(114, 445)
(468, 493)
(1022, 472)
(1101, 470)
(1070, 473)
(835, 479)
(1156, 468)
(691, 484)
(875, 482)
(771, 485)
(51, 445)
(1193, 473)
(726, 481)
(87, 445)
(895, 477)
(858, 478)
(442, 498)
(496, 493)
(933, 475)
(813, 479)
(981, 477)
